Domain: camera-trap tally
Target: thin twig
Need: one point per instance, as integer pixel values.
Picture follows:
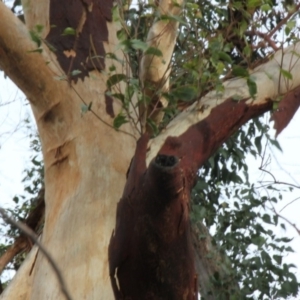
(284, 218)
(267, 38)
(34, 238)
(283, 21)
(100, 119)
(279, 182)
(289, 204)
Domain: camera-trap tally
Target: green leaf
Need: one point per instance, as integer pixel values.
(286, 74)
(258, 241)
(278, 258)
(39, 28)
(267, 219)
(153, 51)
(69, 31)
(224, 56)
(257, 142)
(276, 144)
(116, 95)
(119, 120)
(121, 34)
(275, 105)
(252, 87)
(254, 3)
(75, 72)
(39, 50)
(35, 38)
(114, 79)
(153, 126)
(138, 45)
(290, 25)
(185, 93)
(174, 18)
(240, 71)
(86, 107)
(265, 7)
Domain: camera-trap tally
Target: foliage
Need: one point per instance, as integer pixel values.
(23, 204)
(217, 41)
(236, 212)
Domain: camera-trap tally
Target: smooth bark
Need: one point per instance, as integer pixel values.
(86, 159)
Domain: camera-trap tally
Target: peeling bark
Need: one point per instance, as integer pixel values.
(84, 50)
(152, 240)
(286, 109)
(86, 162)
(151, 253)
(79, 152)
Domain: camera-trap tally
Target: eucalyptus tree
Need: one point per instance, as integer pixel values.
(130, 101)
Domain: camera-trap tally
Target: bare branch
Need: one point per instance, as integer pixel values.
(34, 238)
(267, 38)
(22, 243)
(289, 204)
(284, 20)
(284, 218)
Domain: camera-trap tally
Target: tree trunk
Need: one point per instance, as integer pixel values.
(86, 159)
(85, 164)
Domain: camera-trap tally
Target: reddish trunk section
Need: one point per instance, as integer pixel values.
(83, 51)
(287, 107)
(151, 253)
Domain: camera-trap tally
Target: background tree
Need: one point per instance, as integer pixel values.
(122, 83)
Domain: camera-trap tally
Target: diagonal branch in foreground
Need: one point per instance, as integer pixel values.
(34, 238)
(34, 221)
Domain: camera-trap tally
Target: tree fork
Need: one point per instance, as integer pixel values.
(151, 251)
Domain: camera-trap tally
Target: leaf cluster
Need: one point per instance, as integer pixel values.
(216, 40)
(235, 211)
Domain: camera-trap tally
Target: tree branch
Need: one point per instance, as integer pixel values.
(155, 69)
(34, 238)
(270, 86)
(284, 218)
(26, 68)
(33, 221)
(18, 246)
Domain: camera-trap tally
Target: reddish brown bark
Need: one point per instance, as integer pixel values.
(83, 51)
(287, 107)
(151, 252)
